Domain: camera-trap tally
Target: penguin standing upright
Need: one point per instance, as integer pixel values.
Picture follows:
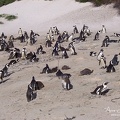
(103, 29)
(66, 84)
(115, 61)
(105, 42)
(23, 55)
(97, 36)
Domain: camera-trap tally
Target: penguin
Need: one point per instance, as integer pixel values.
(39, 85)
(110, 68)
(48, 43)
(65, 67)
(5, 70)
(29, 55)
(115, 61)
(59, 73)
(72, 48)
(13, 62)
(55, 52)
(23, 54)
(103, 29)
(97, 35)
(46, 69)
(70, 38)
(116, 35)
(53, 70)
(33, 83)
(40, 50)
(75, 30)
(34, 58)
(100, 54)
(92, 53)
(82, 36)
(105, 42)
(66, 84)
(86, 71)
(30, 94)
(36, 85)
(64, 54)
(101, 90)
(102, 62)
(1, 75)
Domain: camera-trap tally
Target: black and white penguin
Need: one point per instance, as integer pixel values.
(46, 69)
(64, 54)
(100, 54)
(55, 52)
(23, 54)
(115, 61)
(97, 35)
(92, 53)
(40, 50)
(105, 42)
(48, 43)
(66, 84)
(110, 68)
(30, 94)
(34, 58)
(103, 29)
(101, 90)
(72, 48)
(33, 83)
(75, 30)
(116, 35)
(1, 75)
(5, 70)
(13, 62)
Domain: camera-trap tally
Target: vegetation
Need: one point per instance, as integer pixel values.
(102, 2)
(8, 17)
(5, 2)
(1, 22)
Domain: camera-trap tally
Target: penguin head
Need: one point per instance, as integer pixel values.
(33, 78)
(105, 83)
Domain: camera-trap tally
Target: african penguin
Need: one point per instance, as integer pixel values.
(101, 90)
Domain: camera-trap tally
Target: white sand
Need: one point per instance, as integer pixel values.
(39, 15)
(52, 102)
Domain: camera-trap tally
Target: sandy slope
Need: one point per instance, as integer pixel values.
(52, 102)
(40, 15)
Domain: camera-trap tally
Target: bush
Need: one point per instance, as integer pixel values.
(5, 2)
(1, 22)
(100, 2)
(10, 17)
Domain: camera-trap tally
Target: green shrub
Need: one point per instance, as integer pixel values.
(5, 2)
(3, 15)
(10, 17)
